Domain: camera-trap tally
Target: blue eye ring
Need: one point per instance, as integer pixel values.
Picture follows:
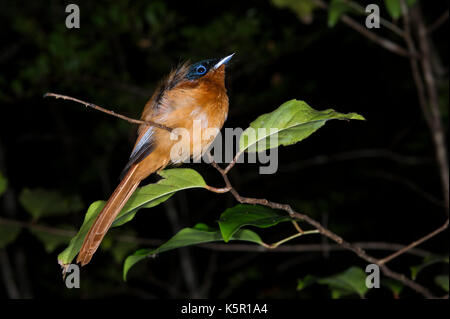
(200, 69)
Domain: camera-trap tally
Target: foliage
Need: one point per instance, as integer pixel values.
(304, 9)
(292, 122)
(148, 196)
(234, 218)
(199, 234)
(442, 281)
(42, 203)
(394, 8)
(3, 183)
(427, 261)
(351, 281)
(335, 10)
(8, 233)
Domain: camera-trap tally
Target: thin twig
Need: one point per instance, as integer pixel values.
(217, 190)
(151, 242)
(324, 231)
(383, 42)
(360, 9)
(384, 246)
(439, 21)
(414, 244)
(101, 109)
(233, 162)
(297, 227)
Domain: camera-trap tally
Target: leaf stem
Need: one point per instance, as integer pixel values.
(278, 243)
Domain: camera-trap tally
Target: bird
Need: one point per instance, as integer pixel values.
(190, 94)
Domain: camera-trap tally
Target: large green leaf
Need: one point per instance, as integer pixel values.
(3, 183)
(199, 234)
(292, 122)
(144, 197)
(8, 233)
(232, 219)
(41, 202)
(351, 281)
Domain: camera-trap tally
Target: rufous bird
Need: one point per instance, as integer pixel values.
(190, 93)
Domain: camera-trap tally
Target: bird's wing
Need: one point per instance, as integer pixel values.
(143, 148)
(156, 107)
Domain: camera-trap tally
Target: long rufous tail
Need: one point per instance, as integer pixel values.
(107, 216)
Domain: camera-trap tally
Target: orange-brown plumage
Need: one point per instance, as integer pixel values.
(184, 97)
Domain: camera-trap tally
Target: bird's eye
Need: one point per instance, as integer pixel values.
(201, 69)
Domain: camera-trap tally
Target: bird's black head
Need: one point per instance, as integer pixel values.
(199, 69)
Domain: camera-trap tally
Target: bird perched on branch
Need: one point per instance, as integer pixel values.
(190, 94)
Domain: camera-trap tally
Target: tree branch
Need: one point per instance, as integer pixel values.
(383, 42)
(415, 243)
(439, 21)
(324, 231)
(430, 107)
(101, 109)
(152, 242)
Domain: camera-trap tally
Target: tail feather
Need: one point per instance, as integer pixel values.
(107, 216)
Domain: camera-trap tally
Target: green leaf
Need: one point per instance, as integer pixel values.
(394, 8)
(41, 202)
(248, 215)
(351, 281)
(51, 241)
(305, 282)
(302, 8)
(8, 233)
(144, 197)
(3, 183)
(199, 234)
(427, 261)
(395, 286)
(121, 249)
(410, 3)
(292, 122)
(442, 281)
(335, 10)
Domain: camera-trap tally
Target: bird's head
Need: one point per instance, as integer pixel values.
(189, 76)
(211, 68)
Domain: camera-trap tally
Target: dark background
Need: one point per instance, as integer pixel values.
(372, 181)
